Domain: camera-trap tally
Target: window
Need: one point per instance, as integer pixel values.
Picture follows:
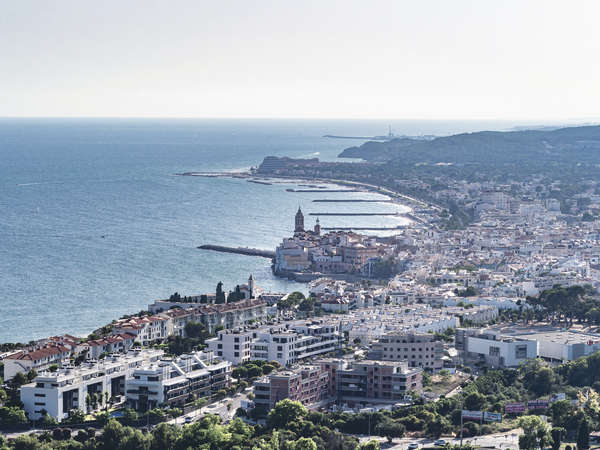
(521, 351)
(40, 395)
(494, 351)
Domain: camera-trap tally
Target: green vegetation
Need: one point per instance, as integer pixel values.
(251, 370)
(293, 299)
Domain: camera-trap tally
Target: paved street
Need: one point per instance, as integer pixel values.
(498, 440)
(219, 408)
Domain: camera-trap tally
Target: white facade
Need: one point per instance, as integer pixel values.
(59, 392)
(176, 381)
(505, 352)
(286, 345)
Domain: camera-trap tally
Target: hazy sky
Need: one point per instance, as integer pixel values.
(348, 59)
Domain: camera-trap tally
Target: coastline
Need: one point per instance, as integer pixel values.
(393, 196)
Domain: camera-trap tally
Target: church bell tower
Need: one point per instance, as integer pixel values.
(299, 221)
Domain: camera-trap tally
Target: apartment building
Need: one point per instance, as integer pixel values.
(286, 344)
(38, 359)
(308, 385)
(93, 349)
(418, 349)
(232, 345)
(177, 381)
(372, 382)
(67, 388)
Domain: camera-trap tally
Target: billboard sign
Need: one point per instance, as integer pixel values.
(537, 404)
(472, 415)
(512, 408)
(492, 417)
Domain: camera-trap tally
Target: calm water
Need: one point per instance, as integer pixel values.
(94, 225)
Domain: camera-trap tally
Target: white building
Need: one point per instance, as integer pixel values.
(177, 381)
(37, 359)
(495, 350)
(284, 344)
(67, 388)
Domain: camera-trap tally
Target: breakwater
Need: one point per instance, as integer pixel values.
(357, 200)
(399, 227)
(355, 214)
(239, 250)
(322, 190)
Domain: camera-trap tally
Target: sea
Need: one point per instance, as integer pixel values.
(95, 222)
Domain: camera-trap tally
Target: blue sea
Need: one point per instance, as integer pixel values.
(95, 224)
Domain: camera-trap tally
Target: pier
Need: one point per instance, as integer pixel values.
(357, 214)
(239, 250)
(322, 190)
(399, 227)
(332, 200)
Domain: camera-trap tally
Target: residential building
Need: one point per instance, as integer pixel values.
(372, 382)
(418, 349)
(37, 359)
(67, 388)
(307, 384)
(177, 381)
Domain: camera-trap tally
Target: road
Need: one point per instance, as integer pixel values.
(506, 440)
(219, 408)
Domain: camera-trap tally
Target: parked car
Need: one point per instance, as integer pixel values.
(440, 442)
(413, 446)
(188, 420)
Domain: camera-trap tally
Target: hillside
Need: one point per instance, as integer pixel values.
(572, 145)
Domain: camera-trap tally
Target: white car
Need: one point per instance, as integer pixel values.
(440, 442)
(413, 446)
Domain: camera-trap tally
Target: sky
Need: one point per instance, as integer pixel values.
(402, 59)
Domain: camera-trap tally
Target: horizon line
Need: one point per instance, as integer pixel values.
(431, 119)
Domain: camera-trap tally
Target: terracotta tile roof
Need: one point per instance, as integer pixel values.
(35, 355)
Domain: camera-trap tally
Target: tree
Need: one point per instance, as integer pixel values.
(390, 430)
(18, 380)
(304, 444)
(557, 434)
(253, 371)
(435, 428)
(286, 412)
(12, 415)
(130, 416)
(53, 367)
(220, 295)
(164, 436)
(28, 442)
(75, 416)
(195, 330)
(31, 375)
(536, 432)
(267, 369)
(475, 401)
(47, 420)
(371, 445)
(291, 300)
(583, 435)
